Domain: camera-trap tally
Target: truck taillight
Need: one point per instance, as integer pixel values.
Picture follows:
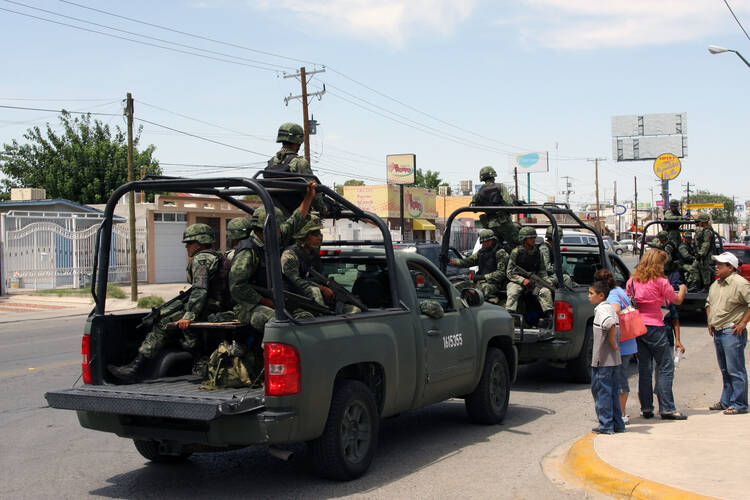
(281, 364)
(563, 316)
(86, 359)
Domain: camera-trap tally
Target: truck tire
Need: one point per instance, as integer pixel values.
(149, 449)
(347, 446)
(489, 401)
(580, 367)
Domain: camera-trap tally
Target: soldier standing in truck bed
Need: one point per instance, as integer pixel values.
(673, 213)
(705, 244)
(493, 194)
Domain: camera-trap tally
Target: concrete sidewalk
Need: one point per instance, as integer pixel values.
(705, 456)
(26, 305)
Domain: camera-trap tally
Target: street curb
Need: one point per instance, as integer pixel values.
(583, 465)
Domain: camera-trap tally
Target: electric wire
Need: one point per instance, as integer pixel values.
(139, 41)
(735, 18)
(58, 110)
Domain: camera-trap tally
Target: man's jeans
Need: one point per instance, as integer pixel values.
(730, 352)
(607, 398)
(653, 347)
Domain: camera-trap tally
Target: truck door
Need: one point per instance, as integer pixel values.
(449, 342)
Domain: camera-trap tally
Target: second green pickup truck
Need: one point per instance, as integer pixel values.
(328, 380)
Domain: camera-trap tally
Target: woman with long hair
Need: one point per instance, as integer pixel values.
(619, 300)
(652, 290)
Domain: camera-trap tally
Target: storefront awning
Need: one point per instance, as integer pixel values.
(423, 225)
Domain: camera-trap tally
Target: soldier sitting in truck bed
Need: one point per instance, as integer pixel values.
(547, 249)
(528, 258)
(492, 260)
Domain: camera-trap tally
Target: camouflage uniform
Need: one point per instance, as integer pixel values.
(500, 223)
(705, 242)
(492, 263)
(287, 160)
(530, 261)
(249, 268)
(547, 252)
(673, 230)
(688, 263)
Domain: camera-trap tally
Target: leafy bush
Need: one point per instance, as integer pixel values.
(150, 301)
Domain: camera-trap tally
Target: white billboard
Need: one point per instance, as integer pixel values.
(648, 148)
(401, 169)
(653, 124)
(529, 162)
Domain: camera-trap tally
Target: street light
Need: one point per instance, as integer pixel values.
(715, 49)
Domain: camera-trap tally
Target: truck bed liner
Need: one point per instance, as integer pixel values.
(171, 397)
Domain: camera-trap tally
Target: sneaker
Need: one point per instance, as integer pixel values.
(619, 431)
(626, 419)
(598, 430)
(647, 414)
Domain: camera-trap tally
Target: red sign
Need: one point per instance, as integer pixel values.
(660, 203)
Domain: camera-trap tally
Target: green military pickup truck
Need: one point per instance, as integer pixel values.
(569, 342)
(327, 380)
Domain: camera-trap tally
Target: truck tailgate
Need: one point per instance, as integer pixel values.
(172, 397)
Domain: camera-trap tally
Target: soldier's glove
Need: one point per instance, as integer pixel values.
(477, 277)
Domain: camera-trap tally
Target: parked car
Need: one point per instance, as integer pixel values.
(742, 252)
(627, 245)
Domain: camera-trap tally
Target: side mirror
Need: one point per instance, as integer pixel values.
(431, 308)
(472, 296)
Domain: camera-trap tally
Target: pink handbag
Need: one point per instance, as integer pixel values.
(631, 324)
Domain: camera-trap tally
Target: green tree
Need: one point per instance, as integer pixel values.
(717, 214)
(84, 162)
(429, 179)
(349, 182)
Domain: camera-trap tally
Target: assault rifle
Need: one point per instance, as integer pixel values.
(294, 301)
(148, 320)
(535, 278)
(342, 294)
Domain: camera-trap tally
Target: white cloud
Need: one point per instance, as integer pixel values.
(589, 24)
(391, 21)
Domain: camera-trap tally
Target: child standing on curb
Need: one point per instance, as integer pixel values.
(605, 362)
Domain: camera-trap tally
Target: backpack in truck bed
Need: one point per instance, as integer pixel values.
(231, 365)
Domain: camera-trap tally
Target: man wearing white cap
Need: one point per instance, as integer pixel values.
(728, 310)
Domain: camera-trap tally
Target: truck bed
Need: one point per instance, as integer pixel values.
(171, 397)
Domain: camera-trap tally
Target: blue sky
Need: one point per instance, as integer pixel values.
(480, 80)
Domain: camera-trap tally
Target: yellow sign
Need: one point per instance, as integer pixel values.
(667, 166)
(702, 206)
(384, 201)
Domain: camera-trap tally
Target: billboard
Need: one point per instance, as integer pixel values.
(646, 137)
(384, 201)
(667, 167)
(529, 162)
(401, 169)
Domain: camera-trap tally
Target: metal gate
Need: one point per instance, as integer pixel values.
(47, 255)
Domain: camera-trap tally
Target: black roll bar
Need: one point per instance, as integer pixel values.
(681, 222)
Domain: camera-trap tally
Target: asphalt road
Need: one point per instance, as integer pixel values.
(430, 453)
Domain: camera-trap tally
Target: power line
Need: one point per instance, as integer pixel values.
(735, 18)
(202, 138)
(63, 99)
(228, 44)
(142, 35)
(58, 110)
(138, 41)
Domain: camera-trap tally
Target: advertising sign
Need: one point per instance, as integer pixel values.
(401, 169)
(384, 201)
(704, 206)
(667, 167)
(529, 162)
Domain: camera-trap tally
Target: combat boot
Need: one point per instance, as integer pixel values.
(128, 373)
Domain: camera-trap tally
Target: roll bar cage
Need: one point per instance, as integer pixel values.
(549, 210)
(681, 222)
(227, 188)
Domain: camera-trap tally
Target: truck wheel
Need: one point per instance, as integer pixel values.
(489, 401)
(580, 367)
(149, 449)
(347, 446)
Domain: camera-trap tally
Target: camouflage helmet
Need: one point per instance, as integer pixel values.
(313, 224)
(486, 235)
(674, 202)
(290, 132)
(259, 217)
(688, 233)
(549, 232)
(200, 233)
(663, 235)
(239, 228)
(487, 173)
(703, 218)
(527, 232)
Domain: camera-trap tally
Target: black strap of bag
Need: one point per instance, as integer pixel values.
(631, 294)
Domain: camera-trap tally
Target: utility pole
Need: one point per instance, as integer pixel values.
(635, 211)
(567, 192)
(131, 202)
(596, 180)
(614, 209)
(687, 199)
(515, 181)
(302, 75)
